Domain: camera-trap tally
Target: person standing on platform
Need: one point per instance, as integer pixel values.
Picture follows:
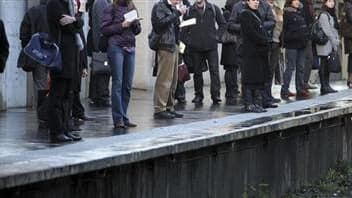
(165, 18)
(63, 29)
(348, 41)
(121, 55)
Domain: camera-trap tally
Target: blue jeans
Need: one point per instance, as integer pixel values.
(122, 65)
(295, 59)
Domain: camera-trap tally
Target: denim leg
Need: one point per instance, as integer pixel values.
(300, 66)
(291, 55)
(116, 59)
(128, 73)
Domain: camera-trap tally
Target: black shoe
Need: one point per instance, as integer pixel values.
(275, 100)
(130, 124)
(73, 136)
(270, 105)
(197, 100)
(177, 115)
(260, 109)
(327, 91)
(231, 101)
(60, 138)
(164, 115)
(181, 100)
(216, 100)
(74, 128)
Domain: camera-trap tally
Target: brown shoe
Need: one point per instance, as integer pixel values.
(130, 124)
(119, 125)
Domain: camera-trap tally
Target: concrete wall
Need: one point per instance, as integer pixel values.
(13, 91)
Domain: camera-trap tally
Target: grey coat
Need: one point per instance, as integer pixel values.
(328, 25)
(97, 13)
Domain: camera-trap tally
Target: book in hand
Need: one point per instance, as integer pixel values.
(188, 22)
(132, 16)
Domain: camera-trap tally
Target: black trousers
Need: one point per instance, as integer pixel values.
(274, 55)
(349, 63)
(99, 88)
(231, 81)
(213, 63)
(77, 107)
(60, 97)
(180, 91)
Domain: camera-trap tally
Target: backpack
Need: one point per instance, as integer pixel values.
(317, 34)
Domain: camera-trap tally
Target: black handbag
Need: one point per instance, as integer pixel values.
(25, 62)
(154, 40)
(226, 37)
(100, 64)
(334, 63)
(317, 34)
(103, 43)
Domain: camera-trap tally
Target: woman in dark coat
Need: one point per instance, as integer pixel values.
(228, 60)
(348, 41)
(62, 29)
(255, 59)
(4, 47)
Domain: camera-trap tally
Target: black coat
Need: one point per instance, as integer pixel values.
(203, 35)
(255, 70)
(348, 41)
(65, 36)
(164, 21)
(295, 30)
(228, 52)
(4, 47)
(35, 20)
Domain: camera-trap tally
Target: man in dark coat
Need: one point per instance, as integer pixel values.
(35, 21)
(4, 47)
(203, 45)
(62, 29)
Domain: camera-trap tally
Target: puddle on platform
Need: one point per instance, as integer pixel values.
(298, 113)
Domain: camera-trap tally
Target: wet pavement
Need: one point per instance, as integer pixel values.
(19, 129)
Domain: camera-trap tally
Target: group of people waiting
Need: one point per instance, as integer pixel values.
(261, 28)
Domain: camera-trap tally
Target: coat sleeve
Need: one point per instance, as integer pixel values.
(220, 20)
(324, 21)
(4, 47)
(26, 29)
(161, 20)
(249, 28)
(269, 20)
(108, 25)
(55, 13)
(233, 24)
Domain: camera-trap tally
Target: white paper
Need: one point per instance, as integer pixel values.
(188, 22)
(131, 16)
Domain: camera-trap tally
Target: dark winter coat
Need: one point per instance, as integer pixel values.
(164, 19)
(295, 30)
(65, 36)
(203, 35)
(97, 16)
(111, 27)
(35, 20)
(348, 41)
(255, 70)
(228, 57)
(4, 47)
(264, 10)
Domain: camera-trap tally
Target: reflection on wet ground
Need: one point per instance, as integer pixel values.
(19, 129)
(307, 111)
